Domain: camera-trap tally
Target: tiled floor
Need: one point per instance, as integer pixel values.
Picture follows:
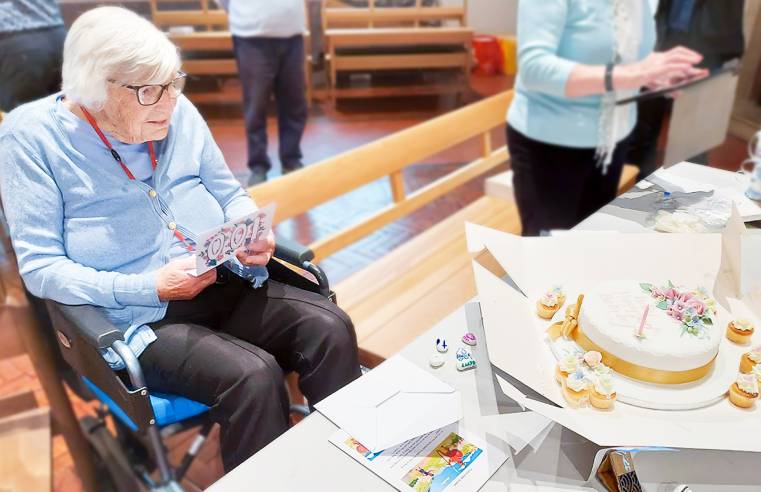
(328, 133)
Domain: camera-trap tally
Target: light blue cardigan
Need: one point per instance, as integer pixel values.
(553, 36)
(85, 234)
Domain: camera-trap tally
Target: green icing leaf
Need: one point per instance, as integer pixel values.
(671, 286)
(662, 305)
(647, 287)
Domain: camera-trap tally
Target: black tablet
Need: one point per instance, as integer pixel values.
(731, 67)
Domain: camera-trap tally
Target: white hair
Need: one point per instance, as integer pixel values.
(114, 44)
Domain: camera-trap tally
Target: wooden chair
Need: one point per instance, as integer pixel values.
(385, 39)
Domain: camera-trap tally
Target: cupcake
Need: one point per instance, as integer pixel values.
(750, 359)
(576, 389)
(602, 394)
(740, 331)
(550, 303)
(566, 366)
(744, 391)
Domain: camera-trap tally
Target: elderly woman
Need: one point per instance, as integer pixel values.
(103, 185)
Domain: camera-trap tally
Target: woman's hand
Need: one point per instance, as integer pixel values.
(258, 253)
(662, 69)
(175, 283)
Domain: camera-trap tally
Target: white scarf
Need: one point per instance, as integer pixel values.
(627, 34)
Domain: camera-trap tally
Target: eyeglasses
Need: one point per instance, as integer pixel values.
(148, 95)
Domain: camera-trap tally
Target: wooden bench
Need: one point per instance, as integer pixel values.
(384, 39)
(200, 29)
(414, 286)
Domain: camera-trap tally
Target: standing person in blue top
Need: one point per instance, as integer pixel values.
(566, 136)
(31, 45)
(268, 38)
(104, 187)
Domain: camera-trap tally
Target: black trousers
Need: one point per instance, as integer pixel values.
(30, 65)
(228, 348)
(557, 187)
(643, 148)
(267, 66)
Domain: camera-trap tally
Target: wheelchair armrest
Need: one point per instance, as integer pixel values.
(90, 324)
(301, 256)
(293, 252)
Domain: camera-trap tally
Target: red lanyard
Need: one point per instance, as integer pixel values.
(114, 153)
(118, 159)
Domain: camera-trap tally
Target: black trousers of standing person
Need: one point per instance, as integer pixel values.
(557, 187)
(30, 65)
(228, 348)
(643, 147)
(269, 66)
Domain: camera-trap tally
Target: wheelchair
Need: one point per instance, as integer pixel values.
(135, 454)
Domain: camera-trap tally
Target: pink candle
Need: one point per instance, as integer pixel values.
(641, 331)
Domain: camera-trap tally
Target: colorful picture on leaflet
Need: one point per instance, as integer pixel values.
(360, 449)
(443, 466)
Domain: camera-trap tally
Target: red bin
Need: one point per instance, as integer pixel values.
(487, 55)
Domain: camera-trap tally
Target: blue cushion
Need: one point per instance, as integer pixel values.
(168, 409)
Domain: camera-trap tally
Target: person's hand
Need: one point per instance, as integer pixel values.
(175, 283)
(663, 69)
(257, 253)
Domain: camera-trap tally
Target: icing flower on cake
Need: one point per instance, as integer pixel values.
(577, 381)
(748, 383)
(694, 310)
(570, 363)
(602, 370)
(755, 354)
(604, 384)
(593, 358)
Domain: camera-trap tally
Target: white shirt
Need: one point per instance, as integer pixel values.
(265, 18)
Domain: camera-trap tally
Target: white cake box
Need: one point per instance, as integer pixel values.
(516, 337)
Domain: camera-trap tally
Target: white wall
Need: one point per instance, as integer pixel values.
(490, 16)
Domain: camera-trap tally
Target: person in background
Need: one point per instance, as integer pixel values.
(713, 29)
(268, 39)
(31, 46)
(567, 138)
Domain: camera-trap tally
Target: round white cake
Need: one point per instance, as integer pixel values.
(681, 330)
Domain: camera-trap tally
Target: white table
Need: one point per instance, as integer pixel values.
(303, 459)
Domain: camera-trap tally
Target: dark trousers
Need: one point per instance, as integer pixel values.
(30, 65)
(643, 148)
(267, 66)
(557, 187)
(228, 348)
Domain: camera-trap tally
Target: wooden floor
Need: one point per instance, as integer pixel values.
(329, 132)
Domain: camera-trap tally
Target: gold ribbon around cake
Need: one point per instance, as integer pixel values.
(569, 328)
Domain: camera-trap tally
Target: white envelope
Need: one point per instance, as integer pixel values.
(391, 404)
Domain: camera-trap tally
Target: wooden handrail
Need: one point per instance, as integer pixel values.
(327, 246)
(300, 192)
(385, 158)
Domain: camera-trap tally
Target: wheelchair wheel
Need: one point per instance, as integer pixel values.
(115, 471)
